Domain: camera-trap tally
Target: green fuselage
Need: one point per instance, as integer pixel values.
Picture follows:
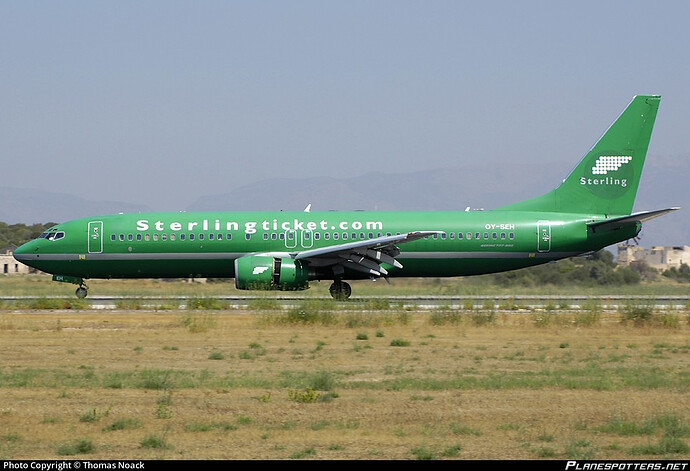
(181, 245)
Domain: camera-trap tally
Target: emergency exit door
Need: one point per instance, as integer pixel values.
(543, 236)
(95, 237)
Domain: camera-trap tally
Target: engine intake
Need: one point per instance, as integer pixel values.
(260, 272)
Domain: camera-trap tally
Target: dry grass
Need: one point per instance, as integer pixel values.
(377, 385)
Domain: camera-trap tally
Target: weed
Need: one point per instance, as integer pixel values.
(123, 424)
(155, 442)
(78, 447)
(305, 396)
(422, 453)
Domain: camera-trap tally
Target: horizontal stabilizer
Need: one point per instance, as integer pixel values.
(617, 223)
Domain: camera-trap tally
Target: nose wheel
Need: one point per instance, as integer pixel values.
(81, 291)
(340, 291)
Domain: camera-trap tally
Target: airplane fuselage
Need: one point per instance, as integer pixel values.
(172, 245)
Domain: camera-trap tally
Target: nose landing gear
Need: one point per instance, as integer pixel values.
(81, 291)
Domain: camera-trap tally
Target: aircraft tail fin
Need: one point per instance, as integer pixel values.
(606, 179)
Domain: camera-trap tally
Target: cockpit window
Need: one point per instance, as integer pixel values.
(52, 235)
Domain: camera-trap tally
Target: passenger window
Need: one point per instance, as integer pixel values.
(113, 237)
(191, 236)
(155, 237)
(182, 236)
(139, 237)
(147, 237)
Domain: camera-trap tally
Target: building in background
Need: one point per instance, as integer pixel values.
(10, 266)
(658, 257)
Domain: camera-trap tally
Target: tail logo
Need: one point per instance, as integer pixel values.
(609, 176)
(609, 163)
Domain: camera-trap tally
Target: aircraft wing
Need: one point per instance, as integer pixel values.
(365, 256)
(617, 223)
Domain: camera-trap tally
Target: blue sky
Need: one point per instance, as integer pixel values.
(157, 102)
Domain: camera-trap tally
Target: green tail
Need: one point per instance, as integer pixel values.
(606, 180)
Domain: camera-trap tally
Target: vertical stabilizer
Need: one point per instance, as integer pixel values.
(606, 179)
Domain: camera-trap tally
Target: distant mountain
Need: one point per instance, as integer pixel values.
(21, 205)
(433, 190)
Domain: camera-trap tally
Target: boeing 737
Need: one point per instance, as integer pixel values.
(590, 210)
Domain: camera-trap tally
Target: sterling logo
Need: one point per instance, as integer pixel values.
(609, 163)
(609, 176)
(259, 270)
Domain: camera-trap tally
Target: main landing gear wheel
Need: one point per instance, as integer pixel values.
(340, 290)
(81, 292)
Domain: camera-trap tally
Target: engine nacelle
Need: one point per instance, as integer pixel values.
(261, 272)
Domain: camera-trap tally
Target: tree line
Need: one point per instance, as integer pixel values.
(596, 269)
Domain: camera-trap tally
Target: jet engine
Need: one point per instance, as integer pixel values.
(262, 272)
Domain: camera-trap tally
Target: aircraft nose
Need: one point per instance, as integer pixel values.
(21, 253)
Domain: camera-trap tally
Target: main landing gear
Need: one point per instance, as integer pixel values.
(340, 290)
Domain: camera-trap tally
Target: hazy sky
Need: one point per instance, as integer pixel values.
(158, 102)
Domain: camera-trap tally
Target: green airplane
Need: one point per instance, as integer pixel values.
(590, 210)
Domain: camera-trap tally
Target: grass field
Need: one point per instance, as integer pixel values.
(320, 381)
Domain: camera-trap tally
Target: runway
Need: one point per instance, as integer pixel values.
(501, 302)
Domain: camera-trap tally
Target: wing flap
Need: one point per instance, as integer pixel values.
(366, 256)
